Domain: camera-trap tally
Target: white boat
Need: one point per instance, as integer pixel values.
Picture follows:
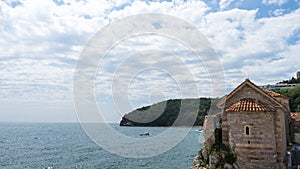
(199, 130)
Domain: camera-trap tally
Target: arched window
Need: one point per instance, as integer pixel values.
(247, 130)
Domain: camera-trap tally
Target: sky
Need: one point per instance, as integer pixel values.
(41, 42)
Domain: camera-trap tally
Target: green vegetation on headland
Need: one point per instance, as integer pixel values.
(291, 81)
(294, 97)
(165, 113)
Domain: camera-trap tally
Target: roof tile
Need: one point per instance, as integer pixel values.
(295, 116)
(274, 94)
(250, 105)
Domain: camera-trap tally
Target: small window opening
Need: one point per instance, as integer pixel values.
(247, 131)
(248, 142)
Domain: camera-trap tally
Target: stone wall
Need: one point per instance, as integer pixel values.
(258, 150)
(225, 138)
(285, 102)
(280, 135)
(297, 138)
(209, 127)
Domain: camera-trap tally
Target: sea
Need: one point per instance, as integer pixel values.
(66, 145)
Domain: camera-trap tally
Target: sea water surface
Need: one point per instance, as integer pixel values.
(65, 145)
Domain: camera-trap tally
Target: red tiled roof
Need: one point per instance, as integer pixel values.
(295, 116)
(274, 94)
(250, 105)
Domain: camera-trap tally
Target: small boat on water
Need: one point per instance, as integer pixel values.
(199, 130)
(145, 134)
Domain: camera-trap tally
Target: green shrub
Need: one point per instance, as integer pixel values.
(230, 158)
(217, 147)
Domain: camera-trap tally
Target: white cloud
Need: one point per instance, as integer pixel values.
(278, 12)
(41, 41)
(242, 40)
(40, 44)
(225, 3)
(275, 70)
(274, 2)
(142, 73)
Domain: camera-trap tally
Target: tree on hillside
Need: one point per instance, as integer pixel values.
(294, 98)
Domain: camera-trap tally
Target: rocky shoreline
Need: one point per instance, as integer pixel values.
(216, 157)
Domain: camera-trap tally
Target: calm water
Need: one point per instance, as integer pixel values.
(65, 145)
